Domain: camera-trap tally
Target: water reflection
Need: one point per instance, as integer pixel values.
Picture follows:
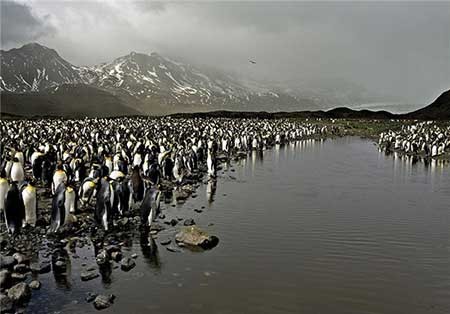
(211, 188)
(149, 250)
(61, 266)
(403, 163)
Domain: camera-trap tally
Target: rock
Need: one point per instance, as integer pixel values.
(157, 227)
(88, 275)
(90, 297)
(134, 255)
(112, 248)
(44, 267)
(21, 268)
(91, 268)
(189, 222)
(103, 301)
(194, 236)
(20, 258)
(5, 279)
(161, 216)
(116, 256)
(16, 277)
(198, 210)
(35, 284)
(19, 293)
(127, 264)
(6, 304)
(173, 249)
(165, 242)
(7, 262)
(102, 257)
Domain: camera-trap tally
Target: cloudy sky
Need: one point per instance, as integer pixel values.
(393, 48)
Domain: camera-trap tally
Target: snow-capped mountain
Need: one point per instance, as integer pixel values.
(33, 68)
(148, 80)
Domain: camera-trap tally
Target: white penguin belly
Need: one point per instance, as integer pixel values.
(4, 186)
(17, 173)
(69, 203)
(29, 201)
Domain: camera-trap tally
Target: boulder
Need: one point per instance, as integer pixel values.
(41, 268)
(5, 279)
(88, 275)
(103, 301)
(35, 285)
(20, 293)
(127, 264)
(6, 304)
(21, 268)
(20, 258)
(189, 222)
(7, 262)
(194, 236)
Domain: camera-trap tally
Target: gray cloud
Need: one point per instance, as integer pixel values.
(392, 48)
(19, 24)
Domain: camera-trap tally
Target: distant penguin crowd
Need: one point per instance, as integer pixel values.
(112, 166)
(427, 139)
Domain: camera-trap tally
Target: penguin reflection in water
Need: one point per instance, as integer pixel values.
(63, 207)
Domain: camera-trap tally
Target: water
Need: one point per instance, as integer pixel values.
(314, 227)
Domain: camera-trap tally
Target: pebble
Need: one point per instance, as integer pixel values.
(127, 264)
(88, 275)
(35, 285)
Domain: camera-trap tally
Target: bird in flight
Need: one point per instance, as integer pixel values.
(251, 61)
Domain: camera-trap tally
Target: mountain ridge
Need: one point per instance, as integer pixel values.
(151, 79)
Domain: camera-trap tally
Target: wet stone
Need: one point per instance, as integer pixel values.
(165, 242)
(6, 304)
(127, 264)
(103, 301)
(90, 297)
(116, 256)
(21, 268)
(88, 275)
(5, 279)
(21, 258)
(7, 262)
(35, 284)
(189, 222)
(20, 293)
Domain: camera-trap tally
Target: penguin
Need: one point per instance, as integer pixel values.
(17, 172)
(211, 164)
(30, 203)
(14, 209)
(4, 187)
(136, 186)
(103, 206)
(70, 203)
(121, 196)
(150, 206)
(154, 174)
(87, 190)
(47, 172)
(59, 213)
(59, 177)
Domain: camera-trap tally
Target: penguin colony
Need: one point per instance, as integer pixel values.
(425, 139)
(117, 166)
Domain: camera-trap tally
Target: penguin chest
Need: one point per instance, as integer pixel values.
(17, 173)
(29, 201)
(69, 203)
(4, 186)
